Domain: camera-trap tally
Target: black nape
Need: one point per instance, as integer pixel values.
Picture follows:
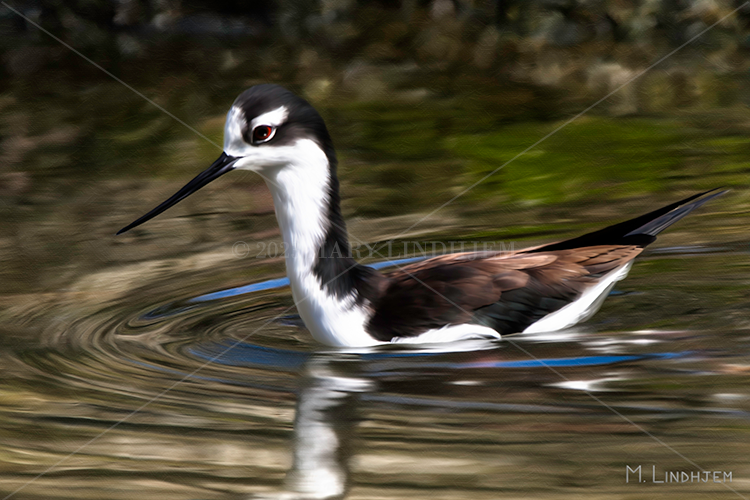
(339, 274)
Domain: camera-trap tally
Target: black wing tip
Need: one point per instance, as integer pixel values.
(721, 190)
(701, 197)
(639, 231)
(661, 219)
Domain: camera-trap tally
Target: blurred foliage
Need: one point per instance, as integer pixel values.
(413, 70)
(424, 99)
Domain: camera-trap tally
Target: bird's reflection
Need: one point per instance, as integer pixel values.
(332, 384)
(323, 425)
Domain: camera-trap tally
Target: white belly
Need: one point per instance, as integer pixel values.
(582, 308)
(450, 333)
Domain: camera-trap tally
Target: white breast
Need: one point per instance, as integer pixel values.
(300, 195)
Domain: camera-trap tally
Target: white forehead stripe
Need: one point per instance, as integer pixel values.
(234, 144)
(273, 118)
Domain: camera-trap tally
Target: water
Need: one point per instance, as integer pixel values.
(223, 395)
(161, 364)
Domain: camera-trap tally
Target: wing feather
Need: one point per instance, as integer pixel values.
(506, 292)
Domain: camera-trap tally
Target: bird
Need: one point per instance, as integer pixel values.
(470, 295)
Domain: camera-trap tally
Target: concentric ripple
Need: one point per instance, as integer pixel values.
(199, 393)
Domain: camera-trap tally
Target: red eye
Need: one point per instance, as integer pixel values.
(261, 133)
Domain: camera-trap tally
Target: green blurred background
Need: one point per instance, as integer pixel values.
(423, 99)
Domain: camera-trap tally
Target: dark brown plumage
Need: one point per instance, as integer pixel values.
(509, 292)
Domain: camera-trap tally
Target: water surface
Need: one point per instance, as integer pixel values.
(223, 396)
(165, 364)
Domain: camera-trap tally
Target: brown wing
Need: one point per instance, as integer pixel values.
(505, 292)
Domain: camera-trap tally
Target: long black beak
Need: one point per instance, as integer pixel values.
(220, 167)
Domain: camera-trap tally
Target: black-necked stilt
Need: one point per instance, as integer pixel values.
(272, 131)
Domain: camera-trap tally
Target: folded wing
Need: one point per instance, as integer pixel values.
(507, 292)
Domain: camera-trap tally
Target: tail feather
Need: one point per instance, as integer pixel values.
(639, 231)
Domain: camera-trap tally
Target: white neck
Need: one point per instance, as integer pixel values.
(300, 191)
